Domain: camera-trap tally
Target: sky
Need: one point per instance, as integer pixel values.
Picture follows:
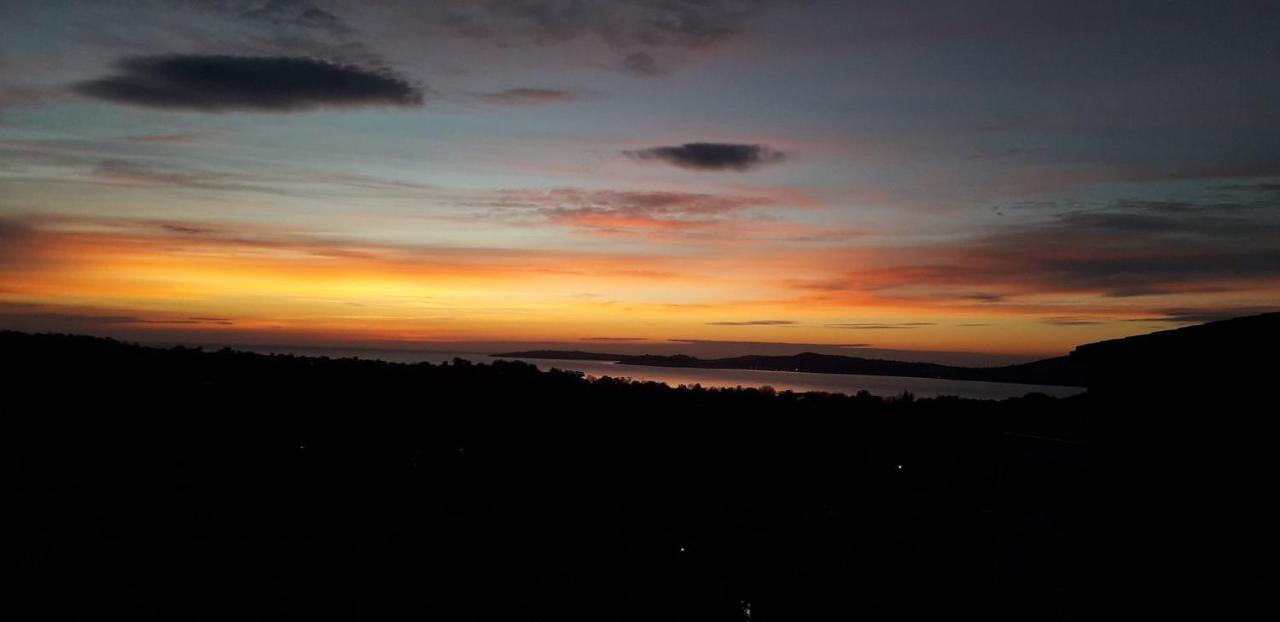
(1007, 178)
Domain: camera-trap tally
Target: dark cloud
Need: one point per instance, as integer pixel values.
(186, 229)
(12, 230)
(642, 64)
(527, 96)
(1073, 321)
(1125, 249)
(1268, 187)
(16, 242)
(1143, 248)
(259, 83)
(1265, 188)
(754, 323)
(788, 344)
(1196, 316)
(43, 320)
(220, 321)
(711, 156)
(880, 326)
(39, 317)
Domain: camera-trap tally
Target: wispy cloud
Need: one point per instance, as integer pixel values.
(642, 64)
(530, 96)
(297, 14)
(615, 211)
(174, 138)
(103, 162)
(649, 37)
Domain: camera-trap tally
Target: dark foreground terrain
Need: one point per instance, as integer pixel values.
(188, 485)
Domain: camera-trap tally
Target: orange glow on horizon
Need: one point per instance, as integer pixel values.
(342, 291)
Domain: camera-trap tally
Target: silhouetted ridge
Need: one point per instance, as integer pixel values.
(1209, 360)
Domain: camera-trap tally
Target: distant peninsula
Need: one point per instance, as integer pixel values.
(1056, 371)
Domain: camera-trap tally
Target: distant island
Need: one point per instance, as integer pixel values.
(1057, 371)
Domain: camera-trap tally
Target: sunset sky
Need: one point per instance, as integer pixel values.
(1001, 177)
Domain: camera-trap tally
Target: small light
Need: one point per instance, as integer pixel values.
(899, 467)
(682, 549)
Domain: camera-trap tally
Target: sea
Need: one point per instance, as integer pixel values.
(675, 376)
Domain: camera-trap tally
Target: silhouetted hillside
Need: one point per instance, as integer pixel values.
(1192, 422)
(183, 484)
(1053, 371)
(1214, 360)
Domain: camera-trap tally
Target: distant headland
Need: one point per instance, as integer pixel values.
(1052, 371)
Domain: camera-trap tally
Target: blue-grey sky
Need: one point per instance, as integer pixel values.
(1011, 177)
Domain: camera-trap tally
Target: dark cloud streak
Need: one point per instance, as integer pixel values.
(1123, 250)
(1196, 316)
(880, 326)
